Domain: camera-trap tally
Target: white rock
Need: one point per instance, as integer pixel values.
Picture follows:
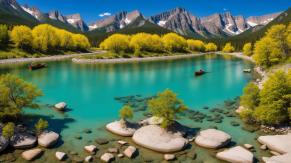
(212, 138)
(236, 154)
(88, 159)
(61, 106)
(263, 147)
(285, 158)
(248, 146)
(31, 154)
(107, 157)
(118, 128)
(90, 148)
(23, 141)
(120, 155)
(3, 143)
(60, 155)
(130, 151)
(121, 142)
(278, 143)
(169, 157)
(48, 139)
(158, 139)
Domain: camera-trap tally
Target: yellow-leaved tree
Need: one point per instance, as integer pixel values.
(174, 43)
(228, 48)
(210, 47)
(45, 37)
(116, 43)
(81, 42)
(146, 42)
(196, 45)
(66, 39)
(21, 36)
(248, 49)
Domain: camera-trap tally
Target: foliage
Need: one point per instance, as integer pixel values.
(3, 35)
(126, 112)
(196, 45)
(250, 98)
(174, 43)
(8, 130)
(146, 42)
(16, 94)
(166, 106)
(21, 36)
(80, 42)
(210, 47)
(248, 49)
(116, 43)
(247, 115)
(41, 125)
(228, 48)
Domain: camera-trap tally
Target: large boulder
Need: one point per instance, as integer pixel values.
(212, 138)
(285, 158)
(3, 143)
(48, 139)
(158, 139)
(23, 141)
(236, 154)
(31, 154)
(278, 143)
(118, 128)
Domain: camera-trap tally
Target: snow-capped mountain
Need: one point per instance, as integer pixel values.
(261, 20)
(35, 12)
(117, 21)
(76, 21)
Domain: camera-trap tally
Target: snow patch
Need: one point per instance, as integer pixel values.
(29, 11)
(72, 21)
(15, 8)
(252, 24)
(127, 21)
(162, 23)
(92, 27)
(232, 32)
(121, 26)
(267, 21)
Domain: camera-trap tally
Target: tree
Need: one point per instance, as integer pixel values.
(3, 35)
(125, 113)
(166, 106)
(15, 95)
(278, 34)
(66, 40)
(274, 100)
(21, 36)
(116, 43)
(288, 36)
(196, 45)
(250, 98)
(146, 42)
(8, 130)
(41, 125)
(228, 48)
(81, 42)
(247, 49)
(174, 43)
(45, 38)
(210, 47)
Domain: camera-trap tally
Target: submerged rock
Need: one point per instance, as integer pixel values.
(285, 158)
(23, 141)
(236, 154)
(117, 127)
(107, 157)
(3, 143)
(48, 139)
(31, 154)
(158, 139)
(212, 138)
(101, 141)
(278, 143)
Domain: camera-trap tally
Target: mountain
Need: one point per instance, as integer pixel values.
(117, 21)
(76, 21)
(11, 13)
(216, 25)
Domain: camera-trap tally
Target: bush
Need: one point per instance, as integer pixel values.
(4, 38)
(8, 130)
(126, 112)
(196, 45)
(22, 37)
(247, 49)
(210, 47)
(174, 43)
(250, 98)
(116, 43)
(228, 48)
(41, 125)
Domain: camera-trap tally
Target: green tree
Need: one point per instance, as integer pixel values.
(228, 48)
(247, 49)
(15, 95)
(8, 130)
(166, 106)
(274, 100)
(41, 125)
(125, 113)
(210, 47)
(21, 36)
(250, 98)
(174, 43)
(3, 35)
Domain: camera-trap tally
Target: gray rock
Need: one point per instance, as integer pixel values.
(130, 151)
(107, 157)
(48, 139)
(101, 141)
(23, 141)
(112, 150)
(31, 154)
(90, 148)
(3, 143)
(60, 155)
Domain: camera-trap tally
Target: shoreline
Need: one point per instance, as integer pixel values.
(47, 58)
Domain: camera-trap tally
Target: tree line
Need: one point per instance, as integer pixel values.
(43, 38)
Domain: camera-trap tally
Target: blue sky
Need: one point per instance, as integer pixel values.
(92, 10)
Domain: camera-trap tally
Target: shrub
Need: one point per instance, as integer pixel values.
(41, 125)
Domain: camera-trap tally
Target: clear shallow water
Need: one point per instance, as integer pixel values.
(89, 91)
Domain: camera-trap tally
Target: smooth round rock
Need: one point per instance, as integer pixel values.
(278, 143)
(285, 158)
(158, 139)
(31, 154)
(212, 138)
(169, 157)
(23, 141)
(48, 139)
(107, 157)
(236, 154)
(118, 128)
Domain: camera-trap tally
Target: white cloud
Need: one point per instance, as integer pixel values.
(105, 14)
(225, 9)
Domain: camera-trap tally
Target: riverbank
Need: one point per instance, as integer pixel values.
(48, 58)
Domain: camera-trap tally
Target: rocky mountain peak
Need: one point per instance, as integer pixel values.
(56, 15)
